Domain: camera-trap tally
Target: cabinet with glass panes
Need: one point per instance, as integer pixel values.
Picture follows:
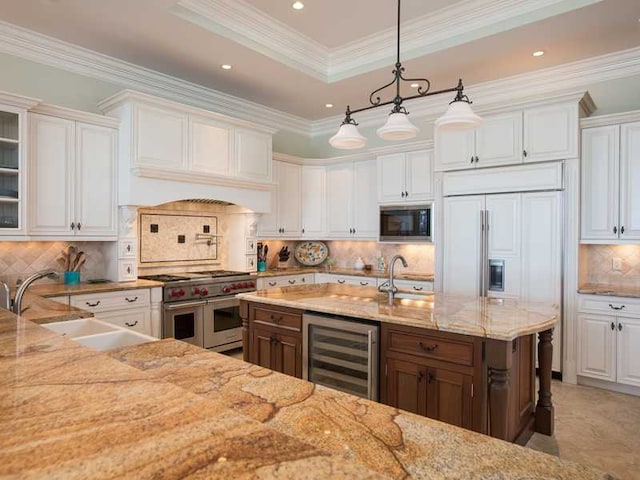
(10, 181)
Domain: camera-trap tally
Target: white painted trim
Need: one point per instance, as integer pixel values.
(613, 386)
(116, 101)
(197, 177)
(77, 115)
(463, 22)
(20, 101)
(47, 50)
(611, 119)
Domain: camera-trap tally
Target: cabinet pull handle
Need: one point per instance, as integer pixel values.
(354, 230)
(619, 327)
(291, 282)
(617, 308)
(275, 319)
(406, 194)
(402, 194)
(477, 159)
(131, 324)
(613, 326)
(615, 229)
(303, 230)
(128, 247)
(131, 300)
(273, 340)
(428, 348)
(417, 289)
(273, 284)
(73, 226)
(622, 230)
(420, 375)
(364, 284)
(89, 304)
(524, 152)
(429, 377)
(128, 269)
(341, 281)
(471, 159)
(79, 225)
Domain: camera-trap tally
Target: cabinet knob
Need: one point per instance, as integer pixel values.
(79, 225)
(402, 194)
(303, 230)
(622, 230)
(406, 194)
(73, 226)
(619, 327)
(128, 247)
(524, 153)
(477, 159)
(615, 229)
(420, 375)
(471, 159)
(613, 326)
(429, 377)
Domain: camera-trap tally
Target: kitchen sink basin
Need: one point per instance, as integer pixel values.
(424, 297)
(80, 328)
(111, 340)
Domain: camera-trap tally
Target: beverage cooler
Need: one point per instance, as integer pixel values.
(341, 354)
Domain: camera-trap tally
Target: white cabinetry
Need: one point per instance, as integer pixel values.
(265, 283)
(352, 210)
(346, 279)
(314, 201)
(610, 183)
(533, 135)
(285, 217)
(253, 155)
(160, 137)
(212, 146)
(72, 182)
(609, 339)
(405, 177)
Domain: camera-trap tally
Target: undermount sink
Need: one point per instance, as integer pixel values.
(98, 335)
(424, 297)
(80, 328)
(111, 340)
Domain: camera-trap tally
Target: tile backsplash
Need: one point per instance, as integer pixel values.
(420, 257)
(20, 259)
(596, 264)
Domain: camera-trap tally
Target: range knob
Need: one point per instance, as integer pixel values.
(252, 285)
(173, 293)
(226, 289)
(181, 293)
(204, 292)
(196, 291)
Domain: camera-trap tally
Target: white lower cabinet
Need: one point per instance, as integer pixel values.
(346, 279)
(265, 283)
(138, 319)
(414, 286)
(609, 345)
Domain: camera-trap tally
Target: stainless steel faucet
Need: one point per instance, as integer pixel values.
(17, 303)
(388, 286)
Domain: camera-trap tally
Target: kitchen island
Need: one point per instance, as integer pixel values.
(168, 409)
(466, 361)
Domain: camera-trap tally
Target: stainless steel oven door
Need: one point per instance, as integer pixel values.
(184, 321)
(222, 324)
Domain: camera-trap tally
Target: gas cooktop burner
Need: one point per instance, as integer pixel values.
(221, 273)
(164, 278)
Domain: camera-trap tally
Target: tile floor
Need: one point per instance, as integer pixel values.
(593, 427)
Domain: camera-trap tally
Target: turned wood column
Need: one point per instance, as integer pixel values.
(244, 314)
(544, 407)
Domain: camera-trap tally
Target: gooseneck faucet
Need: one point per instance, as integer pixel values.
(389, 286)
(17, 303)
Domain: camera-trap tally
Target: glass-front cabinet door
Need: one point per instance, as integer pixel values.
(11, 170)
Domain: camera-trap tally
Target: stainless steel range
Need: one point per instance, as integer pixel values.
(200, 308)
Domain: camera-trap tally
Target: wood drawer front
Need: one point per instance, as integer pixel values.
(95, 302)
(277, 318)
(619, 306)
(431, 347)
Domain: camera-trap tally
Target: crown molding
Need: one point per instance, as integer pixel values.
(19, 101)
(543, 85)
(249, 26)
(125, 96)
(43, 49)
(77, 115)
(611, 119)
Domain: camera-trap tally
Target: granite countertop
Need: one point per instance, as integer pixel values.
(398, 274)
(170, 410)
(40, 310)
(477, 316)
(610, 290)
(58, 289)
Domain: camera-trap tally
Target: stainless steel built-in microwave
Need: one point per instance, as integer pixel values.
(411, 224)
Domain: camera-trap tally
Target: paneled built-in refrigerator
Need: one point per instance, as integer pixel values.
(505, 246)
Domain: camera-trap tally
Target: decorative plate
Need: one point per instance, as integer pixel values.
(311, 253)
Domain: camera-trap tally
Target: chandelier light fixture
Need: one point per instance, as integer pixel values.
(398, 127)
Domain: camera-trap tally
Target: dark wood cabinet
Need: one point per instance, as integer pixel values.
(406, 387)
(273, 337)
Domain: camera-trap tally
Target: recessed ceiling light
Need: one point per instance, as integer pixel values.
(297, 5)
(538, 53)
(328, 105)
(415, 85)
(225, 67)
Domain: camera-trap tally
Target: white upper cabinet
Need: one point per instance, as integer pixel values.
(339, 200)
(253, 155)
(365, 209)
(630, 182)
(73, 178)
(610, 176)
(285, 218)
(551, 132)
(405, 177)
(211, 146)
(534, 135)
(160, 137)
(314, 201)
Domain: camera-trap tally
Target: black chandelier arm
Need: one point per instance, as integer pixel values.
(376, 102)
(421, 91)
(428, 94)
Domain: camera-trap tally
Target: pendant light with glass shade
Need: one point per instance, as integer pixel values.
(459, 115)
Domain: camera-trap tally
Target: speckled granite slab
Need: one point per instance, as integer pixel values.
(477, 316)
(41, 310)
(68, 412)
(385, 440)
(610, 290)
(422, 277)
